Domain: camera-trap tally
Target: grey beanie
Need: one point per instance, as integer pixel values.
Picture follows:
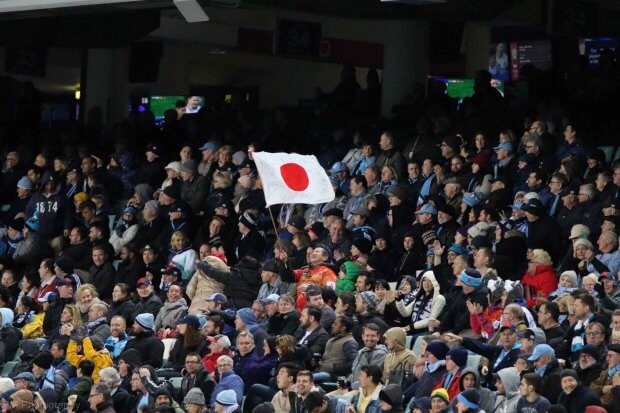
(144, 192)
(152, 206)
(195, 396)
(370, 299)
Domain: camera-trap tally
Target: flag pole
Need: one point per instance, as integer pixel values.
(273, 221)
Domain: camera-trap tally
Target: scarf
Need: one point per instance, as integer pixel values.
(579, 333)
(124, 225)
(432, 367)
(503, 354)
(426, 188)
(94, 324)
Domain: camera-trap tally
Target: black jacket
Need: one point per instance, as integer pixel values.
(360, 320)
(124, 307)
(315, 342)
(121, 400)
(492, 353)
(9, 343)
(241, 284)
(80, 254)
(253, 244)
(151, 349)
(552, 381)
(579, 399)
(203, 380)
(103, 278)
(151, 305)
(543, 233)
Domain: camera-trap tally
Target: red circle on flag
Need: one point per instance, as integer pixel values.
(295, 176)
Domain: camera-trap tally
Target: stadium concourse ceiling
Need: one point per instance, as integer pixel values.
(367, 9)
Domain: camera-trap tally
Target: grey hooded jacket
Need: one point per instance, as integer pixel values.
(510, 380)
(367, 357)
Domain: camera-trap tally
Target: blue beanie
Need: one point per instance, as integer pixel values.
(33, 222)
(469, 398)
(146, 321)
(24, 183)
(247, 316)
(471, 277)
(472, 198)
(459, 249)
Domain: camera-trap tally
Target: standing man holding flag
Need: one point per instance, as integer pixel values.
(298, 179)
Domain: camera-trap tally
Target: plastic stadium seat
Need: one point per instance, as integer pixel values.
(111, 219)
(5, 207)
(115, 264)
(473, 361)
(609, 152)
(8, 368)
(176, 382)
(408, 342)
(168, 344)
(417, 346)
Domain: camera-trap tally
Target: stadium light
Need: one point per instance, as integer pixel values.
(7, 6)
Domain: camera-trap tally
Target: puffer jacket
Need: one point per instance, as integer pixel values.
(241, 284)
(170, 313)
(200, 287)
(184, 260)
(437, 305)
(544, 281)
(100, 360)
(399, 358)
(507, 403)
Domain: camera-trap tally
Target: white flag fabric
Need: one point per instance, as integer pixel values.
(290, 178)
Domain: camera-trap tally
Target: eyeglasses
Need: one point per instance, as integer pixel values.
(530, 146)
(223, 365)
(192, 362)
(593, 333)
(93, 395)
(554, 182)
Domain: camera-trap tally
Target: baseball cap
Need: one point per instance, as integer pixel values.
(507, 146)
(143, 281)
(338, 167)
(427, 209)
(171, 270)
(220, 339)
(271, 298)
(508, 327)
(66, 281)
(218, 298)
(541, 350)
(208, 145)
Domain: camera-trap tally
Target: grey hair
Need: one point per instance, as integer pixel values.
(588, 189)
(103, 390)
(110, 377)
(227, 359)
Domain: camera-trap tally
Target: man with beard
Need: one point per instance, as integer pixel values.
(446, 217)
(590, 366)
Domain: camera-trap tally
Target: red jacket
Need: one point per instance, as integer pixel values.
(543, 282)
(453, 388)
(41, 291)
(210, 360)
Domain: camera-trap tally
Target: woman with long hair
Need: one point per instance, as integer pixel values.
(182, 255)
(290, 352)
(427, 303)
(85, 297)
(189, 340)
(29, 284)
(122, 303)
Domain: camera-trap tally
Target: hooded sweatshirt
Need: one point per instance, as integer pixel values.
(399, 359)
(9, 336)
(510, 380)
(393, 393)
(420, 317)
(487, 397)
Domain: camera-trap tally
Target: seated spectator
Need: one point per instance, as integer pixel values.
(530, 388)
(189, 340)
(151, 349)
(148, 301)
(85, 381)
(426, 304)
(285, 320)
(228, 379)
(220, 346)
(88, 349)
(310, 333)
(315, 402)
(540, 280)
(340, 352)
(314, 296)
(125, 230)
(117, 341)
(507, 385)
(122, 304)
(366, 312)
(196, 376)
(272, 282)
(370, 387)
(173, 310)
(182, 255)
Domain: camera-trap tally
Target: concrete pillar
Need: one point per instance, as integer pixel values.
(107, 83)
(477, 47)
(405, 60)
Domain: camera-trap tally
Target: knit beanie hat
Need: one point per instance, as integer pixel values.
(195, 396)
(458, 356)
(152, 206)
(363, 245)
(471, 277)
(146, 321)
(472, 198)
(370, 299)
(226, 398)
(570, 373)
(442, 394)
(469, 398)
(439, 349)
(43, 360)
(249, 220)
(265, 407)
(481, 241)
(481, 228)
(247, 316)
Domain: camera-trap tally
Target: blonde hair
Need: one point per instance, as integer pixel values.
(76, 316)
(615, 337)
(541, 256)
(178, 235)
(564, 302)
(84, 287)
(224, 177)
(590, 277)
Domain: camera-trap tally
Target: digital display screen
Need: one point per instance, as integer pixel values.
(160, 104)
(464, 88)
(592, 48)
(536, 53)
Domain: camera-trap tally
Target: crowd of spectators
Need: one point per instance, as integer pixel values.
(454, 271)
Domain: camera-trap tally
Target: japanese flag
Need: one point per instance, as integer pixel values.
(293, 179)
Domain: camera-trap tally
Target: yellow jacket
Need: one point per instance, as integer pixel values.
(34, 329)
(100, 360)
